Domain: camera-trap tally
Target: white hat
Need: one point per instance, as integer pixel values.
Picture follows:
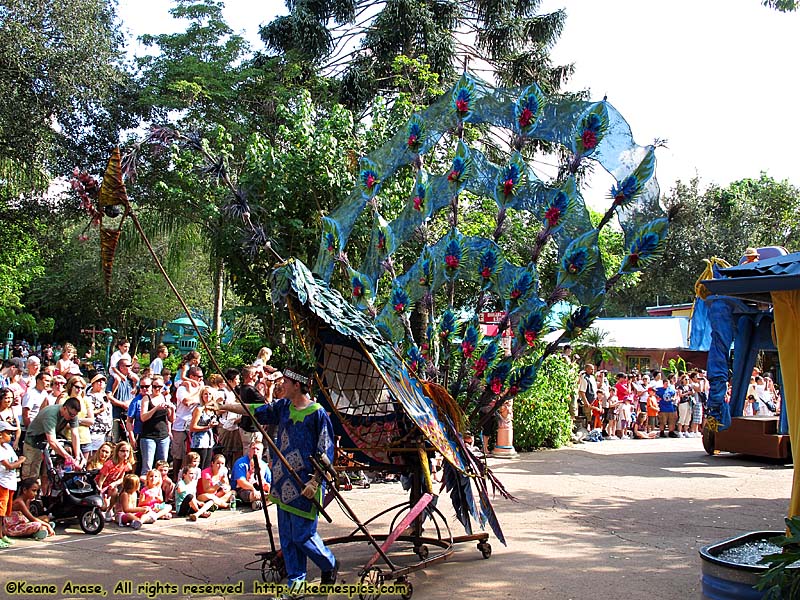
(33, 359)
(6, 426)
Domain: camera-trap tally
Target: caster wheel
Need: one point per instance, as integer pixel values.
(92, 521)
(409, 589)
(270, 573)
(366, 486)
(374, 579)
(421, 551)
(485, 548)
(709, 438)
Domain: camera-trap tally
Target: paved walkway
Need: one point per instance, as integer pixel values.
(612, 519)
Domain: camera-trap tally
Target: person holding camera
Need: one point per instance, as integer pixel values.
(204, 419)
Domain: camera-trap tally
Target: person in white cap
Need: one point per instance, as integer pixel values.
(9, 463)
(303, 430)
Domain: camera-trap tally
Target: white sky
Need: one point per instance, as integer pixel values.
(715, 78)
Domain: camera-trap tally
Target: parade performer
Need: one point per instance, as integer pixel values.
(303, 430)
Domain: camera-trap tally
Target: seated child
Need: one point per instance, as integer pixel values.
(152, 497)
(127, 510)
(167, 486)
(185, 492)
(641, 429)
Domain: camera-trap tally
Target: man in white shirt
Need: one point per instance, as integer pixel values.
(157, 364)
(35, 397)
(187, 397)
(32, 370)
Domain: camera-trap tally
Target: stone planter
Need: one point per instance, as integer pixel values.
(728, 580)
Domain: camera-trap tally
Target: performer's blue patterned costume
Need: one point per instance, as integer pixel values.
(300, 434)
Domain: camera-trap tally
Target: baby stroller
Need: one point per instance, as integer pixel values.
(73, 495)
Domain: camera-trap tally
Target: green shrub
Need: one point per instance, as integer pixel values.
(541, 415)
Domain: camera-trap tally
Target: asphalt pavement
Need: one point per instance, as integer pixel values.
(621, 519)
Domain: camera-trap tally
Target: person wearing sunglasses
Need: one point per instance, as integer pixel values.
(156, 414)
(76, 387)
(43, 432)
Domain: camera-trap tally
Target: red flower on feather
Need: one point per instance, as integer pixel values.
(467, 349)
(462, 105)
(417, 203)
(525, 117)
(399, 307)
(451, 261)
(530, 337)
(480, 366)
(486, 272)
(497, 385)
(589, 139)
(552, 215)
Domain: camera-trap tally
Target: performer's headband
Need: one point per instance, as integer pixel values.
(295, 376)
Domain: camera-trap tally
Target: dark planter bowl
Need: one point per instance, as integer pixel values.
(726, 580)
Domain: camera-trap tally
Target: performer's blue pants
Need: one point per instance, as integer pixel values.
(300, 540)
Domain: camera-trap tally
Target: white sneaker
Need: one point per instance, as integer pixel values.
(685, 434)
(136, 524)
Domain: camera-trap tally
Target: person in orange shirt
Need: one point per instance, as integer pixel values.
(652, 409)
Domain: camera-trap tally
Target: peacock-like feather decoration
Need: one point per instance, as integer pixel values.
(369, 179)
(415, 358)
(399, 300)
(646, 247)
(486, 359)
(560, 203)
(579, 258)
(330, 236)
(509, 180)
(591, 129)
(360, 288)
(447, 327)
(470, 340)
(530, 327)
(497, 375)
(521, 288)
(521, 379)
(625, 191)
(528, 109)
(415, 131)
(579, 321)
(382, 237)
(487, 265)
(462, 167)
(463, 97)
(425, 278)
(420, 199)
(453, 256)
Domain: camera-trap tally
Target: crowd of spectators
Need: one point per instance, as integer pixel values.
(158, 446)
(647, 405)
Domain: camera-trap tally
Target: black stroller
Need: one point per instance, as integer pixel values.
(73, 495)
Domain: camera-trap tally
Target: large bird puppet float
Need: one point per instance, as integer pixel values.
(402, 363)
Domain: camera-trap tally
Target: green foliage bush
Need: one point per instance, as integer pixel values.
(541, 415)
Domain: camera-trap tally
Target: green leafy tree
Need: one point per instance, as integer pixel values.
(70, 288)
(541, 415)
(65, 92)
(592, 347)
(782, 5)
(511, 36)
(718, 222)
